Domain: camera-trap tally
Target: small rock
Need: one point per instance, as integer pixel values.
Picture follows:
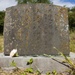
(13, 52)
(72, 54)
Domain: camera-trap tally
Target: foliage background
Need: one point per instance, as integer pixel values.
(2, 15)
(33, 1)
(71, 18)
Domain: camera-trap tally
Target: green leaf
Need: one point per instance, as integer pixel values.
(13, 63)
(48, 73)
(30, 61)
(38, 72)
(29, 70)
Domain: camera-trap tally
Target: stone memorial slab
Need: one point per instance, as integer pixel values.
(34, 29)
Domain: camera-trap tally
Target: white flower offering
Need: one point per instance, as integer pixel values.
(13, 52)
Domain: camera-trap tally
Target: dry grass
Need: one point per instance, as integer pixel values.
(22, 72)
(72, 41)
(1, 43)
(19, 72)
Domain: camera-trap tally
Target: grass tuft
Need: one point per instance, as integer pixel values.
(1, 43)
(72, 41)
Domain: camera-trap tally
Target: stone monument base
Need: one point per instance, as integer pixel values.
(44, 64)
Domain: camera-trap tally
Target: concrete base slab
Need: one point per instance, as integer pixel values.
(42, 63)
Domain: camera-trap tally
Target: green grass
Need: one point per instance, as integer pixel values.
(1, 43)
(72, 41)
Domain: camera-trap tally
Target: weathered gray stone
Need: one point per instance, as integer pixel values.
(34, 29)
(43, 64)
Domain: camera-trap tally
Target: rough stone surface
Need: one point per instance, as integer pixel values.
(44, 64)
(34, 29)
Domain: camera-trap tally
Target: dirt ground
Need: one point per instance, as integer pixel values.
(23, 72)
